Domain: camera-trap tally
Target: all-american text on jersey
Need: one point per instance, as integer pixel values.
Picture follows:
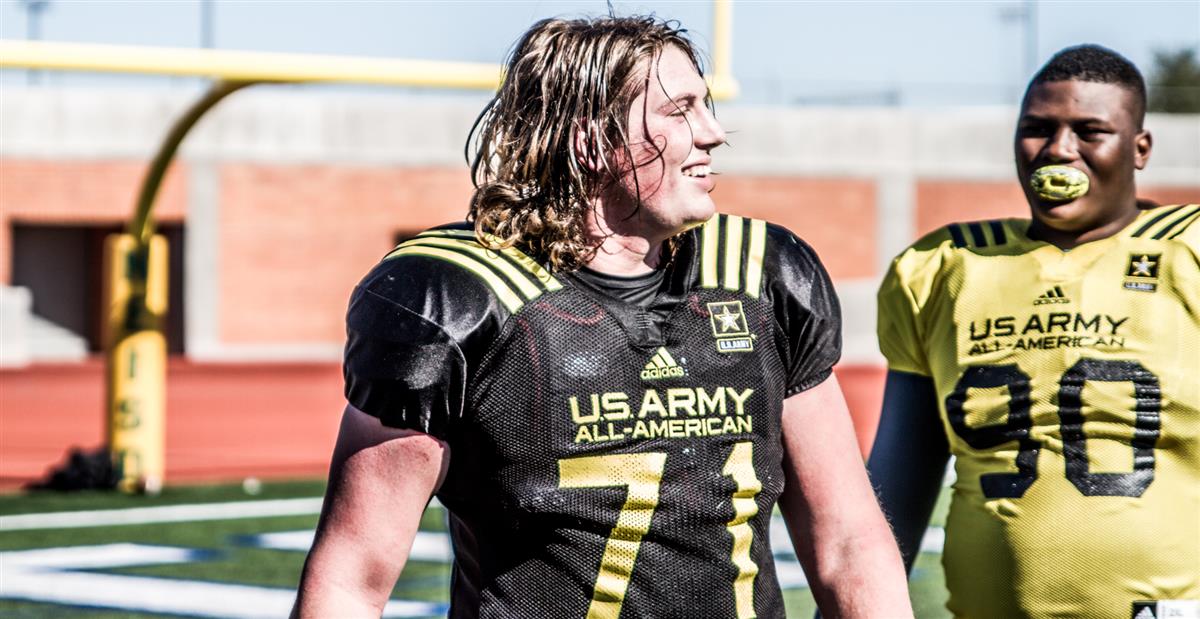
(612, 416)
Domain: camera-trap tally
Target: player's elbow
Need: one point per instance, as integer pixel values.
(859, 574)
(340, 581)
(847, 555)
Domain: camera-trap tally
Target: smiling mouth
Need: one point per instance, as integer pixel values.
(698, 171)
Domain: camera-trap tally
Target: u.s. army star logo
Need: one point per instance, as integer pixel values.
(1143, 265)
(729, 327)
(1142, 272)
(727, 319)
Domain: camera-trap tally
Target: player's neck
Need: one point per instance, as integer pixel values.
(1068, 239)
(626, 255)
(622, 246)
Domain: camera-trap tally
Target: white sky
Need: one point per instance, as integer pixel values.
(912, 53)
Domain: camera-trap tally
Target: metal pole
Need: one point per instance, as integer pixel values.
(142, 225)
(722, 83)
(33, 31)
(1031, 37)
(135, 306)
(206, 24)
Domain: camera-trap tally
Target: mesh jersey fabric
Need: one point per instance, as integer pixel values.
(1069, 390)
(608, 460)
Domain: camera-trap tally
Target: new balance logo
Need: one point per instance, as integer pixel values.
(1053, 295)
(662, 365)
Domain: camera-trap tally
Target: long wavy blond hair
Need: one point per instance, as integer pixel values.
(564, 78)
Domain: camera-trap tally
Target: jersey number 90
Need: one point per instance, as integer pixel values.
(1148, 402)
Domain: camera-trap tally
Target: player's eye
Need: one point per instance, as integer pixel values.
(1091, 133)
(1033, 130)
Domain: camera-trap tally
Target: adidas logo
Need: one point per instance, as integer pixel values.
(662, 365)
(1053, 295)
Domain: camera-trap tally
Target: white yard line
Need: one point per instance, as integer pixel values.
(933, 541)
(166, 513)
(56, 576)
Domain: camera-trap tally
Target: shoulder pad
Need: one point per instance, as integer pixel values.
(979, 234)
(731, 253)
(512, 276)
(1166, 222)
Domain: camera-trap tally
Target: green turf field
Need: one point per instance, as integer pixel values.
(222, 566)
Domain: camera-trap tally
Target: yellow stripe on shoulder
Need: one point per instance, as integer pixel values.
(507, 296)
(755, 255)
(522, 281)
(709, 244)
(732, 250)
(524, 261)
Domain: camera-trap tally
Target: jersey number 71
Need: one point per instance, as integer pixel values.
(642, 474)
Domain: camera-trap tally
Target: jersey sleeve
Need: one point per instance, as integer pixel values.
(897, 326)
(900, 301)
(806, 308)
(412, 330)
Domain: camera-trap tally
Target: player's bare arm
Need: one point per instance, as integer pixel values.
(838, 531)
(908, 459)
(379, 483)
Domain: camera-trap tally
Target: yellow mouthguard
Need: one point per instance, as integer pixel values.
(1058, 182)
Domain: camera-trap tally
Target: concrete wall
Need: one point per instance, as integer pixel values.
(289, 194)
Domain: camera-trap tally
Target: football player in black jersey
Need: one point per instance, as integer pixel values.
(607, 384)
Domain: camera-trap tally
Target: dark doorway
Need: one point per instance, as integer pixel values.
(61, 265)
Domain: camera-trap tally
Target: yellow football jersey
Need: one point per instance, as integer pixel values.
(1069, 389)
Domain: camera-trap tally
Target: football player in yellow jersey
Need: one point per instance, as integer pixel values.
(1058, 359)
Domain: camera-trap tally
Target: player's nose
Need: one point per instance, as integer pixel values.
(1062, 146)
(708, 132)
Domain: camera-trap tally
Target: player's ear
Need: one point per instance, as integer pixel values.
(1142, 144)
(587, 149)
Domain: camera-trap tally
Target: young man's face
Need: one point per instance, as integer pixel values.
(671, 118)
(1093, 128)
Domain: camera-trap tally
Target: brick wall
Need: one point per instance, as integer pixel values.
(295, 240)
(836, 216)
(288, 198)
(39, 191)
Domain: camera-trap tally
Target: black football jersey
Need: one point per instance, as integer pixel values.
(607, 459)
